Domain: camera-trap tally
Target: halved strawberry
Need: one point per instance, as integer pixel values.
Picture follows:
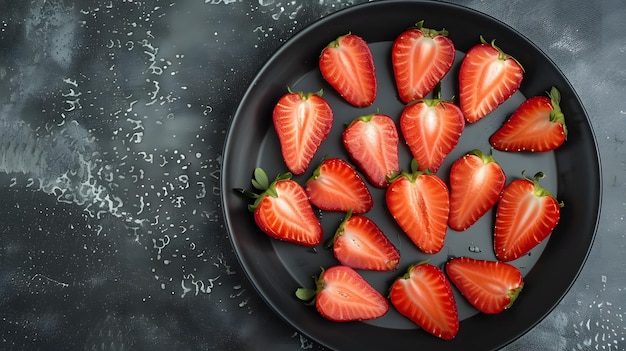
(420, 58)
(336, 186)
(282, 210)
(302, 121)
(419, 203)
(490, 286)
(348, 66)
(526, 214)
(359, 243)
(342, 295)
(424, 295)
(372, 143)
(476, 182)
(431, 129)
(487, 78)
(538, 125)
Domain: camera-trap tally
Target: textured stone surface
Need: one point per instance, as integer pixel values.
(113, 116)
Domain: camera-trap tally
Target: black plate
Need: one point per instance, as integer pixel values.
(276, 268)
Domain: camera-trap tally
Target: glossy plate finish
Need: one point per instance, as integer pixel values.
(276, 269)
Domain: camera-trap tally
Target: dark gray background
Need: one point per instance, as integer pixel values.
(113, 116)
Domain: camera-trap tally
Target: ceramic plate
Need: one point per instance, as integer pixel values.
(277, 269)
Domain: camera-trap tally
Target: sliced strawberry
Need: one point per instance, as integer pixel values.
(476, 182)
(336, 186)
(490, 286)
(526, 214)
(282, 210)
(487, 78)
(424, 295)
(419, 203)
(420, 58)
(538, 125)
(359, 243)
(348, 66)
(342, 295)
(431, 129)
(302, 121)
(372, 143)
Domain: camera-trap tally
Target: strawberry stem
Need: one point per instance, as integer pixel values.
(486, 158)
(428, 32)
(414, 166)
(407, 275)
(556, 115)
(307, 294)
(246, 193)
(539, 190)
(437, 99)
(335, 43)
(501, 54)
(364, 118)
(339, 232)
(305, 96)
(513, 294)
(260, 181)
(410, 175)
(317, 172)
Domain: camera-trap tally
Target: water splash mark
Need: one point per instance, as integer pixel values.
(305, 344)
(156, 67)
(221, 262)
(279, 8)
(196, 286)
(154, 94)
(473, 248)
(64, 162)
(239, 293)
(292, 9)
(221, 2)
(147, 157)
(152, 53)
(601, 325)
(202, 193)
(160, 244)
(42, 277)
(72, 96)
(137, 131)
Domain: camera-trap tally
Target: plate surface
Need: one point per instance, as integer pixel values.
(277, 269)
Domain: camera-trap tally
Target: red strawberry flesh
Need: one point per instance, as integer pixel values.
(302, 122)
(421, 57)
(487, 78)
(538, 125)
(525, 216)
(424, 295)
(283, 211)
(431, 129)
(372, 143)
(490, 286)
(359, 243)
(342, 295)
(336, 186)
(419, 203)
(348, 66)
(476, 182)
